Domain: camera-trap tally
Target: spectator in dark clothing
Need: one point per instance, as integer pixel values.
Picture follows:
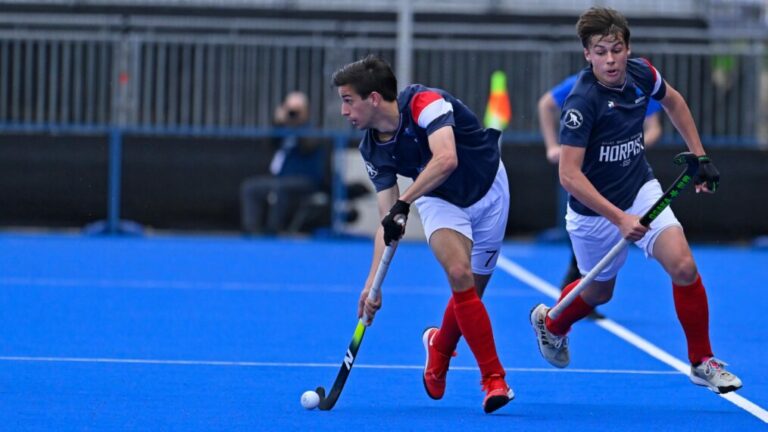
(298, 169)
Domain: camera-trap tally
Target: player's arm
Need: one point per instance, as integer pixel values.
(444, 161)
(652, 129)
(707, 178)
(578, 185)
(548, 110)
(680, 115)
(386, 199)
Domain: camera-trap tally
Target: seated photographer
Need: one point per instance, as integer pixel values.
(298, 169)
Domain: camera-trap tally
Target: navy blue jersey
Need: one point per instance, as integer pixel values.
(608, 122)
(424, 110)
(563, 89)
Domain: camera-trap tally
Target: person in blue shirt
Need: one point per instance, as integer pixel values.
(299, 168)
(549, 108)
(604, 169)
(461, 190)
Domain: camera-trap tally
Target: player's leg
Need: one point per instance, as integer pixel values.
(572, 273)
(440, 343)
(671, 249)
(592, 237)
(673, 253)
(445, 338)
(489, 222)
(484, 222)
(552, 334)
(452, 250)
(598, 292)
(666, 242)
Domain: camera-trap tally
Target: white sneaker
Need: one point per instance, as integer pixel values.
(711, 373)
(553, 348)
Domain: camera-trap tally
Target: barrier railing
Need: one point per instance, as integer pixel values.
(115, 224)
(235, 80)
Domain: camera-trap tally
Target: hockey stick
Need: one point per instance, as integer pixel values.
(326, 403)
(692, 164)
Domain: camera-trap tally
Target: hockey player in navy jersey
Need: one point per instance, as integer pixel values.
(549, 106)
(604, 169)
(461, 190)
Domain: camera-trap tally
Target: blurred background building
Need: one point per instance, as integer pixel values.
(154, 111)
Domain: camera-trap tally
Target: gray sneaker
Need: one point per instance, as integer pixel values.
(553, 348)
(711, 373)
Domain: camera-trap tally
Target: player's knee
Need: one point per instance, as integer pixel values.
(684, 271)
(460, 275)
(599, 298)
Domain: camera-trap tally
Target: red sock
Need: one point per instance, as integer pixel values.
(448, 337)
(475, 325)
(577, 310)
(693, 313)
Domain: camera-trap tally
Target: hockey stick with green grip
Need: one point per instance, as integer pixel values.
(691, 162)
(327, 402)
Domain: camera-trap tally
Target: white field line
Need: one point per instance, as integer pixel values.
(622, 332)
(184, 285)
(304, 365)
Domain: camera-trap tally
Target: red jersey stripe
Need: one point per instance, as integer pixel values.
(420, 101)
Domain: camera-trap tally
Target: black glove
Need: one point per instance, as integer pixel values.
(393, 230)
(707, 173)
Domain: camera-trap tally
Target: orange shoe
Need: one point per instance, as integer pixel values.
(436, 366)
(497, 393)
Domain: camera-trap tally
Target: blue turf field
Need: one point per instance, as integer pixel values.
(183, 333)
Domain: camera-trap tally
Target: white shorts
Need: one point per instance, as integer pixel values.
(592, 237)
(484, 222)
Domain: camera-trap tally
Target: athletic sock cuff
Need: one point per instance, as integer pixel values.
(695, 283)
(492, 367)
(577, 310)
(465, 296)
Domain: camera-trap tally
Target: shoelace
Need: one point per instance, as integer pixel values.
(559, 341)
(551, 338)
(716, 365)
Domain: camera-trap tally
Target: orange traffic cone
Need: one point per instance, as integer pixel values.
(498, 113)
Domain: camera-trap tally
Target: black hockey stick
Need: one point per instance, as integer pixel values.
(326, 403)
(691, 162)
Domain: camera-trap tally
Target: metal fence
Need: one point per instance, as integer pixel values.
(55, 79)
(742, 12)
(234, 79)
(647, 7)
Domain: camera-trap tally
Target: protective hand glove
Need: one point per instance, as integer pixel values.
(707, 174)
(394, 230)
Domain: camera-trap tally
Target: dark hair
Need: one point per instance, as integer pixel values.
(601, 21)
(368, 75)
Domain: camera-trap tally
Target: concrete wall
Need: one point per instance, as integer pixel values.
(192, 184)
